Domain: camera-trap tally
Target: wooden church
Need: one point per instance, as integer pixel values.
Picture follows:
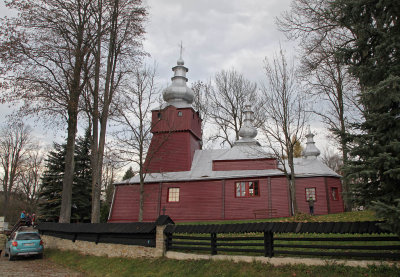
(243, 182)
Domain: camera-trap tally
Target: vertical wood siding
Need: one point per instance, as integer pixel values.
(279, 196)
(171, 152)
(243, 207)
(207, 200)
(175, 138)
(126, 204)
(170, 121)
(198, 200)
(320, 205)
(337, 206)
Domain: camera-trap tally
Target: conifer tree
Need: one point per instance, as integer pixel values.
(128, 174)
(82, 185)
(52, 182)
(374, 57)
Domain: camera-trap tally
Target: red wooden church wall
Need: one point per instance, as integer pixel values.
(215, 200)
(258, 164)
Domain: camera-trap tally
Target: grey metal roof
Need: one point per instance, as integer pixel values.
(202, 167)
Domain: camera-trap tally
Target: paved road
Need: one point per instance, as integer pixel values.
(31, 266)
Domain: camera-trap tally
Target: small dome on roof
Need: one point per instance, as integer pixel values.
(311, 151)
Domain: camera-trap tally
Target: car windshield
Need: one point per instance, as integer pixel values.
(28, 236)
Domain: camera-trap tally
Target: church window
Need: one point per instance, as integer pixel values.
(335, 194)
(173, 194)
(310, 192)
(247, 189)
(179, 113)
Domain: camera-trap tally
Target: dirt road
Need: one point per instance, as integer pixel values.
(31, 266)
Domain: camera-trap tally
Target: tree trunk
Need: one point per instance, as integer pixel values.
(66, 197)
(95, 215)
(72, 108)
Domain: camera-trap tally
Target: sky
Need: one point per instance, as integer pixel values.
(216, 35)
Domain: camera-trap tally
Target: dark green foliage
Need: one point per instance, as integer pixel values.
(82, 186)
(374, 58)
(392, 215)
(104, 211)
(128, 174)
(52, 182)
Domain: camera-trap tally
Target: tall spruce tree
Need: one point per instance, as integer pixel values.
(52, 182)
(374, 58)
(82, 185)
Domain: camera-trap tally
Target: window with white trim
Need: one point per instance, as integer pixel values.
(247, 189)
(173, 194)
(335, 193)
(310, 192)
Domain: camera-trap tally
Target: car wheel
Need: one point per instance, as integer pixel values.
(40, 256)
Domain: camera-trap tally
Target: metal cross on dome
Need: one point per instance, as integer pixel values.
(181, 50)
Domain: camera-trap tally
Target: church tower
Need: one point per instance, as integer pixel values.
(176, 127)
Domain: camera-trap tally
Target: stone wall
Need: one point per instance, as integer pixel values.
(109, 249)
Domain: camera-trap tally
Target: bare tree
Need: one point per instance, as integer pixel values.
(333, 160)
(119, 34)
(226, 104)
(29, 185)
(15, 140)
(285, 110)
(328, 81)
(201, 101)
(43, 52)
(134, 118)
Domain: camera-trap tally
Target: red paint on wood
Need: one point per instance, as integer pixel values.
(243, 207)
(254, 164)
(167, 120)
(337, 206)
(203, 200)
(320, 205)
(280, 196)
(126, 204)
(175, 140)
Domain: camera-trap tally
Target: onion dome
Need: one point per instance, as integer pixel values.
(311, 151)
(247, 132)
(178, 94)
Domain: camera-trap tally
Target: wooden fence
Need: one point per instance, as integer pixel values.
(332, 239)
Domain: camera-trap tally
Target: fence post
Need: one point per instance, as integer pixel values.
(268, 244)
(213, 244)
(168, 241)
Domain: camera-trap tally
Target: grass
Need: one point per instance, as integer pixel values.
(104, 266)
(366, 215)
(286, 244)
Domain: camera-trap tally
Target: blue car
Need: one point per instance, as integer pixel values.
(24, 243)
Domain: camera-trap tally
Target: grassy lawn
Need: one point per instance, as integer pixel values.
(103, 266)
(285, 245)
(347, 216)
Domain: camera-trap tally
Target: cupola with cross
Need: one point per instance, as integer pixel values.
(176, 127)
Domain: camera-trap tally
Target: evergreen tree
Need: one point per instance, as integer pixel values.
(128, 174)
(374, 58)
(52, 182)
(82, 185)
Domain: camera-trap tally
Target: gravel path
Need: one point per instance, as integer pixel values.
(31, 266)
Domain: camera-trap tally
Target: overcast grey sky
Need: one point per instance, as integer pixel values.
(216, 35)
